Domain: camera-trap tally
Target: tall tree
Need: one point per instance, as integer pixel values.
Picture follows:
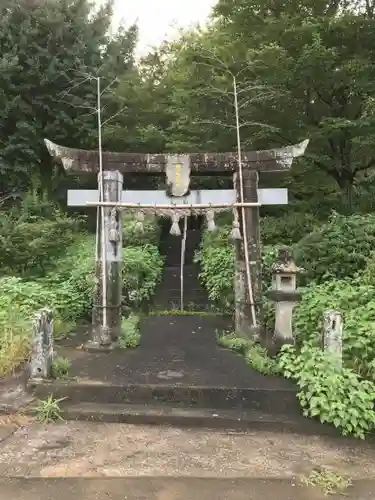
(47, 48)
(317, 59)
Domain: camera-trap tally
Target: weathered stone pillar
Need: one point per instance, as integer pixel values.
(106, 317)
(42, 345)
(332, 335)
(243, 316)
(285, 295)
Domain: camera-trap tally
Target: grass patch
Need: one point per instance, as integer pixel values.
(130, 336)
(255, 355)
(328, 481)
(179, 312)
(60, 367)
(48, 410)
(14, 343)
(62, 329)
(16, 339)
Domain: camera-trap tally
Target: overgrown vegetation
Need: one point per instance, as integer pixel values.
(339, 397)
(67, 283)
(254, 354)
(60, 367)
(338, 256)
(130, 335)
(328, 481)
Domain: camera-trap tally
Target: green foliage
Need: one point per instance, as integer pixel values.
(42, 91)
(73, 279)
(130, 335)
(354, 298)
(329, 481)
(288, 229)
(338, 248)
(134, 237)
(216, 260)
(60, 367)
(309, 76)
(179, 312)
(142, 271)
(336, 396)
(33, 235)
(48, 410)
(255, 355)
(14, 340)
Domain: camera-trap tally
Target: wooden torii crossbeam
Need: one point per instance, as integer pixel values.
(177, 168)
(272, 160)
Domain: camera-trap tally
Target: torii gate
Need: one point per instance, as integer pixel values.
(177, 168)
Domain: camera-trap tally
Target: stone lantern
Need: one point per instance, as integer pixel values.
(285, 296)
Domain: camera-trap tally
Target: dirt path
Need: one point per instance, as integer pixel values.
(168, 489)
(115, 450)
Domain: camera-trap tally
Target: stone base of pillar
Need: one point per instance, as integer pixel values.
(102, 339)
(92, 346)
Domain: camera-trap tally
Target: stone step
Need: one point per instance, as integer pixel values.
(272, 401)
(168, 291)
(193, 418)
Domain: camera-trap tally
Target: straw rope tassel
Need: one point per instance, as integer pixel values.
(175, 228)
(210, 216)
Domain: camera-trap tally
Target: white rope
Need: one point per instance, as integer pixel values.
(246, 250)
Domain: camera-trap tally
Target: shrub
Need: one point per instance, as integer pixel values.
(33, 235)
(255, 355)
(335, 396)
(130, 336)
(338, 249)
(216, 258)
(133, 237)
(68, 291)
(355, 300)
(142, 271)
(74, 278)
(288, 229)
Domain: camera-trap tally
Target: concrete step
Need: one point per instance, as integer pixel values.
(193, 417)
(270, 401)
(168, 291)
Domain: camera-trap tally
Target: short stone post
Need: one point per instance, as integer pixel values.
(285, 295)
(106, 318)
(332, 335)
(42, 345)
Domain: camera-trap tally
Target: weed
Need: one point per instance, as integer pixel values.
(60, 367)
(328, 481)
(48, 410)
(255, 355)
(130, 336)
(14, 343)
